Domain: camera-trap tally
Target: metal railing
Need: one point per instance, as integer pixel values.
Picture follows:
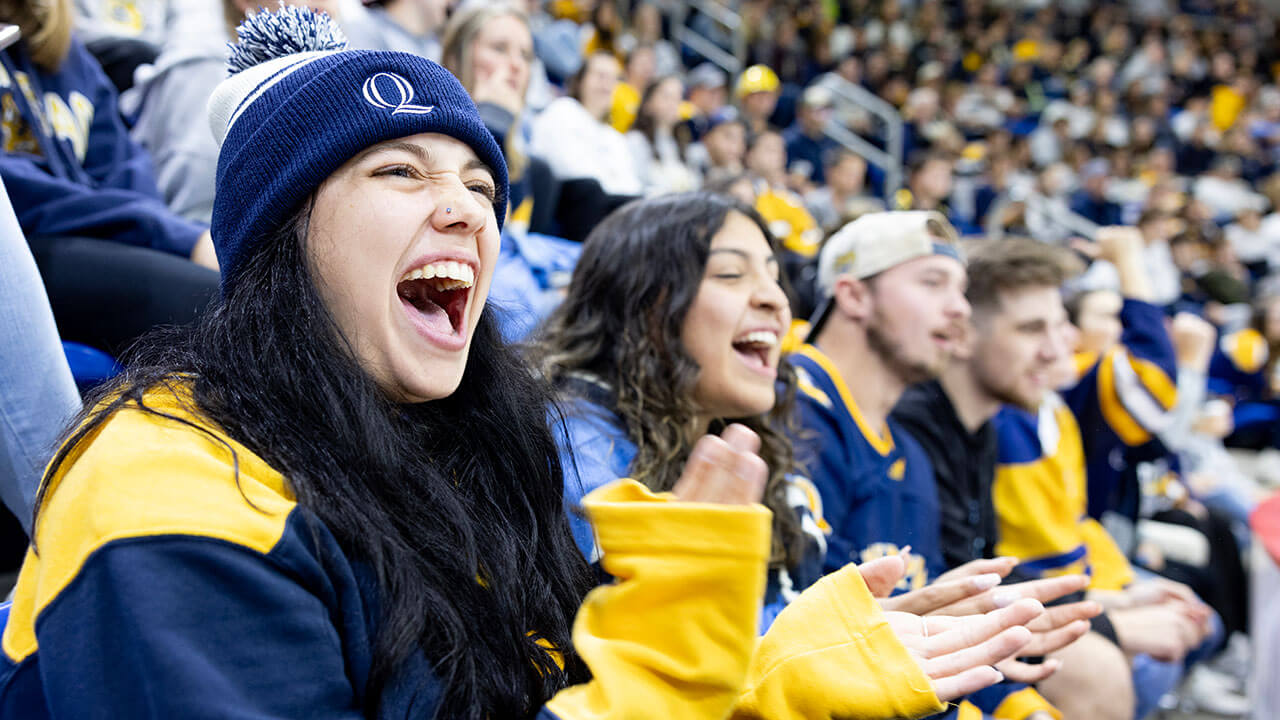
(889, 160)
(730, 62)
(848, 95)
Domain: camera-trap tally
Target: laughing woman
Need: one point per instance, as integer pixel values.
(337, 496)
(671, 330)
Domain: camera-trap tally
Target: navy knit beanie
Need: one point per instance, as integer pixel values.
(297, 105)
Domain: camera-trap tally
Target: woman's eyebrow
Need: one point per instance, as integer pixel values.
(422, 155)
(417, 151)
(743, 254)
(478, 164)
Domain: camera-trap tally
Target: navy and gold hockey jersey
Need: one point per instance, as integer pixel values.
(875, 484)
(1122, 400)
(878, 496)
(1040, 495)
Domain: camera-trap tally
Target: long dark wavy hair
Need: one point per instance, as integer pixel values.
(621, 324)
(455, 504)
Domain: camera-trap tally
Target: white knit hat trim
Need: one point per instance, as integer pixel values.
(234, 94)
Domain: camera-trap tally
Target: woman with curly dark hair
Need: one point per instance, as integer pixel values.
(621, 336)
(672, 329)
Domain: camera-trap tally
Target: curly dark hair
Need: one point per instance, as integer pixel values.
(621, 323)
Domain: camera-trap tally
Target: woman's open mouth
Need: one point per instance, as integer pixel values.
(755, 349)
(435, 297)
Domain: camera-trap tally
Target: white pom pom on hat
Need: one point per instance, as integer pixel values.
(297, 106)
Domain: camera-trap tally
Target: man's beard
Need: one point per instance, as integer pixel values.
(890, 353)
(999, 387)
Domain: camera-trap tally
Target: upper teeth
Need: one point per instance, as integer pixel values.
(760, 337)
(446, 270)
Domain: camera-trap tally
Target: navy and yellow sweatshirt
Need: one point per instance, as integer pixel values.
(1040, 494)
(878, 496)
(69, 164)
(1242, 369)
(1123, 398)
(1237, 367)
(173, 581)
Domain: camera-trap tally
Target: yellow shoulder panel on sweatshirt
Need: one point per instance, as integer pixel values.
(1111, 569)
(673, 637)
(968, 711)
(1019, 705)
(1156, 381)
(831, 654)
(137, 475)
(1247, 350)
(1112, 405)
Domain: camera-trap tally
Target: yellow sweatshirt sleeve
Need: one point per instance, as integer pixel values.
(674, 636)
(1111, 569)
(832, 654)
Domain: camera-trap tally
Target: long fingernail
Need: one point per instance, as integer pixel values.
(1000, 674)
(986, 581)
(1005, 599)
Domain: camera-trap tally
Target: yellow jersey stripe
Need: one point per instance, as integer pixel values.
(882, 441)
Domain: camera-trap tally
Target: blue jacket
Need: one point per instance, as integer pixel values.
(69, 164)
(529, 279)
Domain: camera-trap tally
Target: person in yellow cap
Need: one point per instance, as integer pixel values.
(757, 93)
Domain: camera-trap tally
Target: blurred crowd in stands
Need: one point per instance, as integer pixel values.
(1052, 121)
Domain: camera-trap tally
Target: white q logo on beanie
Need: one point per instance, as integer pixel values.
(403, 91)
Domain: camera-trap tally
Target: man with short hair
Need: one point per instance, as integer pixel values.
(807, 143)
(894, 310)
(1015, 353)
